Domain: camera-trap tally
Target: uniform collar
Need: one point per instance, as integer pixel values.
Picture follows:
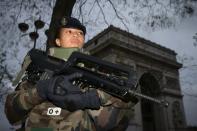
(62, 53)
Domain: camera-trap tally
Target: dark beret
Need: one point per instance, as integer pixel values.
(71, 22)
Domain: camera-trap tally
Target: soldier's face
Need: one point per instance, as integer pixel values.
(70, 37)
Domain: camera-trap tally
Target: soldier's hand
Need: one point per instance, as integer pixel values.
(61, 92)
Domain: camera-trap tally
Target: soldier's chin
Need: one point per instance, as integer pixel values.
(76, 45)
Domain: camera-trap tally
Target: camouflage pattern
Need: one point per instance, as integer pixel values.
(25, 105)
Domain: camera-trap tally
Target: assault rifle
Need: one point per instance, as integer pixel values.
(117, 80)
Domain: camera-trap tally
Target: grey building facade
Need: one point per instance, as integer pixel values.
(157, 72)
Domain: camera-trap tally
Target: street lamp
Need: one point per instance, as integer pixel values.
(39, 24)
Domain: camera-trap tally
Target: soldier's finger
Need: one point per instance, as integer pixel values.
(75, 76)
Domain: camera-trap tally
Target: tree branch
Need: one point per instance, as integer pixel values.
(80, 9)
(102, 12)
(20, 8)
(91, 8)
(117, 14)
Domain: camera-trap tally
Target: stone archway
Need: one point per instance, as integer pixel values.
(159, 68)
(149, 86)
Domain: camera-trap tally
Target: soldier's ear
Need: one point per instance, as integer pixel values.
(57, 41)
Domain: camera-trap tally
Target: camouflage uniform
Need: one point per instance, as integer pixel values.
(25, 105)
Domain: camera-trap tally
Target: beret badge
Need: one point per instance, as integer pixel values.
(64, 21)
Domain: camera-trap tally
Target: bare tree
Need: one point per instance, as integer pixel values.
(14, 43)
(154, 14)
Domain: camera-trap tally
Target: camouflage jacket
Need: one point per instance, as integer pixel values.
(25, 106)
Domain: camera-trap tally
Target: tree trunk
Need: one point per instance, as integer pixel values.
(61, 8)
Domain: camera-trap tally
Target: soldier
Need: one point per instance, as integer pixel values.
(77, 109)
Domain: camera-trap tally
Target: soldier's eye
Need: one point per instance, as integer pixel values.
(69, 32)
(80, 33)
